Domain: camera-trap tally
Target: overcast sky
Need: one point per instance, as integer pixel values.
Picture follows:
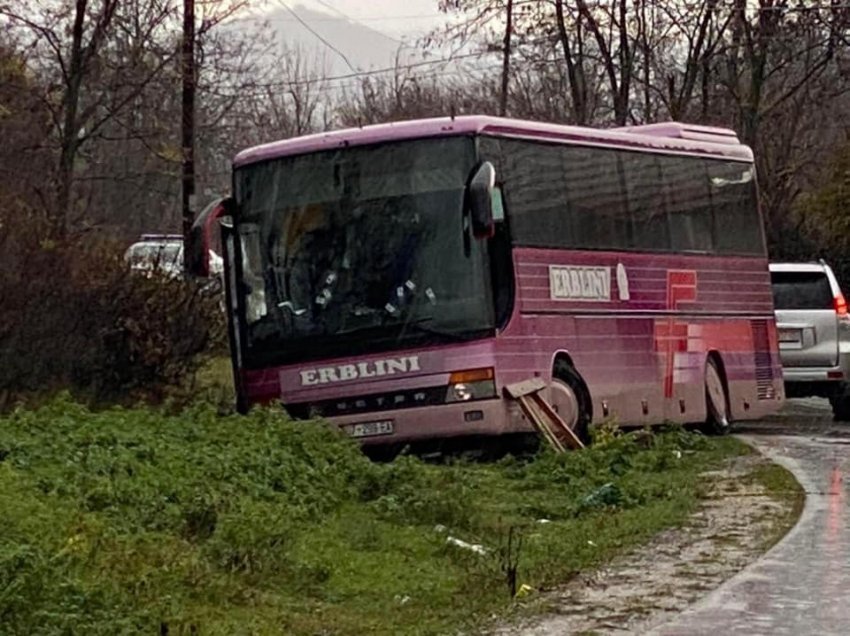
(398, 18)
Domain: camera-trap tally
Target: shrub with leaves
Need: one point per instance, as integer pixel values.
(142, 520)
(73, 315)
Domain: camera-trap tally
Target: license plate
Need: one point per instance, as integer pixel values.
(370, 429)
(790, 336)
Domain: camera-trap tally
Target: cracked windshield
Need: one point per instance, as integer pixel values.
(361, 243)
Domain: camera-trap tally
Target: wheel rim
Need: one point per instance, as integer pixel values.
(716, 395)
(565, 402)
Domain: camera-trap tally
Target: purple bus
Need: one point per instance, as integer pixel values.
(393, 279)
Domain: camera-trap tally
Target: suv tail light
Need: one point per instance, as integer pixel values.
(840, 304)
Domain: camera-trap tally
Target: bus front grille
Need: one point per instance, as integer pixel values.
(372, 403)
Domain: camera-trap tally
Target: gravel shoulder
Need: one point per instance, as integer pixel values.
(750, 504)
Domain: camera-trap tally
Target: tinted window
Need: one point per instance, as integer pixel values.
(561, 196)
(359, 249)
(737, 225)
(801, 290)
(597, 198)
(688, 203)
(642, 174)
(536, 192)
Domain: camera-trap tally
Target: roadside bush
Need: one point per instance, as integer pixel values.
(253, 538)
(613, 474)
(113, 463)
(73, 315)
(410, 491)
(144, 520)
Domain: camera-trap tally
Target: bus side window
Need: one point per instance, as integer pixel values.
(688, 204)
(536, 192)
(597, 201)
(737, 224)
(645, 195)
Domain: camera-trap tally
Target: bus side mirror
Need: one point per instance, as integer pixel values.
(479, 193)
(201, 237)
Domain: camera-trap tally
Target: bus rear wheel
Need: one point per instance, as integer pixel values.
(571, 399)
(716, 400)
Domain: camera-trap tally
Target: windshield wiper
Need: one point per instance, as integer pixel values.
(419, 326)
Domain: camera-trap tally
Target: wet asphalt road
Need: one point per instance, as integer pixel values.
(802, 585)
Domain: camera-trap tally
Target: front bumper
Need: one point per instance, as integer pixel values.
(817, 381)
(814, 374)
(481, 417)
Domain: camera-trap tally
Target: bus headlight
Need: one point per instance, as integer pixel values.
(475, 384)
(461, 392)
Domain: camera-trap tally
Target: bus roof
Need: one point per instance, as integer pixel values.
(667, 137)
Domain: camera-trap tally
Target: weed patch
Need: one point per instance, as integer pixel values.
(142, 520)
(781, 485)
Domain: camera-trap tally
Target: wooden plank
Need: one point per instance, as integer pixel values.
(526, 387)
(530, 408)
(566, 433)
(543, 417)
(543, 426)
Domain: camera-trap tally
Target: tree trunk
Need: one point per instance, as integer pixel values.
(647, 67)
(69, 136)
(605, 52)
(575, 74)
(506, 60)
(621, 104)
(188, 128)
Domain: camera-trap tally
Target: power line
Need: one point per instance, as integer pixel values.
(383, 18)
(355, 21)
(456, 74)
(261, 88)
(377, 71)
(321, 39)
(391, 69)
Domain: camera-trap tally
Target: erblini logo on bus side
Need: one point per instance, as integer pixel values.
(347, 372)
(567, 282)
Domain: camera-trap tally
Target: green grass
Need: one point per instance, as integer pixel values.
(137, 521)
(781, 486)
(212, 382)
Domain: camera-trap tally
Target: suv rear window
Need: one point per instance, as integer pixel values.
(801, 290)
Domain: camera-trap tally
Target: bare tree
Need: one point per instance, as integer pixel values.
(297, 93)
(24, 158)
(776, 51)
(575, 61)
(88, 91)
(678, 44)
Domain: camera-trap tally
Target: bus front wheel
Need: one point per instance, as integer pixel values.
(716, 400)
(572, 399)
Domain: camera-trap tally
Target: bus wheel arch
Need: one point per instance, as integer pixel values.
(570, 396)
(716, 390)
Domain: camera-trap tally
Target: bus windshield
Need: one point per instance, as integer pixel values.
(360, 249)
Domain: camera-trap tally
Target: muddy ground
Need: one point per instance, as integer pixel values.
(736, 524)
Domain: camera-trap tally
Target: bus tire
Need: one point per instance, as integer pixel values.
(566, 378)
(717, 420)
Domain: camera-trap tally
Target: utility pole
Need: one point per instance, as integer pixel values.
(188, 127)
(506, 60)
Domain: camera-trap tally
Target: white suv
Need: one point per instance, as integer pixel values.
(814, 333)
(164, 253)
